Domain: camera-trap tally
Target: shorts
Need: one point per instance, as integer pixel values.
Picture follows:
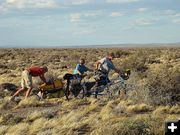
(26, 81)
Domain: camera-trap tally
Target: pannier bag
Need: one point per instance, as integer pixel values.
(73, 83)
(53, 90)
(56, 84)
(75, 80)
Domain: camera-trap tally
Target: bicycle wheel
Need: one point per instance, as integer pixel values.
(114, 91)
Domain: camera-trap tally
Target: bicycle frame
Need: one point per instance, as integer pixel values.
(110, 88)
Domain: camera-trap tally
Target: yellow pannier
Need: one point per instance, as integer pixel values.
(56, 84)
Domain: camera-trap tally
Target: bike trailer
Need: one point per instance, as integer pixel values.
(55, 89)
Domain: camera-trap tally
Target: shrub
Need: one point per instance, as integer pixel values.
(163, 84)
(136, 61)
(10, 119)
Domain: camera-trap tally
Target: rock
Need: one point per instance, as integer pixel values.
(8, 87)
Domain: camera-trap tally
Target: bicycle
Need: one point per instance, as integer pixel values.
(74, 86)
(111, 89)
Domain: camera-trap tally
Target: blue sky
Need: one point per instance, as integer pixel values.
(46, 23)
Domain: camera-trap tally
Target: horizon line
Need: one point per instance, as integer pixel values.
(123, 45)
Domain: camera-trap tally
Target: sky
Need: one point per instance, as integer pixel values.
(49, 23)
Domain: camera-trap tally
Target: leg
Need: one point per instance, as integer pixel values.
(28, 83)
(17, 92)
(28, 92)
(20, 89)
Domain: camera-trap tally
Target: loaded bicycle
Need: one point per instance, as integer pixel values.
(110, 89)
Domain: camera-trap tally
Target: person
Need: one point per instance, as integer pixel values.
(103, 67)
(81, 69)
(80, 73)
(26, 79)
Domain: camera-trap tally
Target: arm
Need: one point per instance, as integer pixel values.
(99, 62)
(97, 65)
(43, 78)
(117, 70)
(82, 75)
(89, 69)
(79, 72)
(114, 68)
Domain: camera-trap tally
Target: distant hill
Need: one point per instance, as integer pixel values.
(130, 45)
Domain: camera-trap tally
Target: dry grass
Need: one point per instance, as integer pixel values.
(148, 103)
(93, 116)
(31, 101)
(167, 110)
(35, 115)
(19, 129)
(3, 129)
(139, 108)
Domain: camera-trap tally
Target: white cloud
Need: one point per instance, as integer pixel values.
(177, 15)
(177, 21)
(89, 14)
(142, 9)
(84, 32)
(169, 12)
(121, 1)
(23, 4)
(144, 22)
(75, 17)
(116, 14)
(172, 13)
(79, 2)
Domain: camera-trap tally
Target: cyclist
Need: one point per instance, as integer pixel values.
(103, 67)
(80, 72)
(81, 69)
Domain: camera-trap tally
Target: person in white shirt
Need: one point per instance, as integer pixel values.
(103, 67)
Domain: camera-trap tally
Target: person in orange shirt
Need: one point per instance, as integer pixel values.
(26, 80)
